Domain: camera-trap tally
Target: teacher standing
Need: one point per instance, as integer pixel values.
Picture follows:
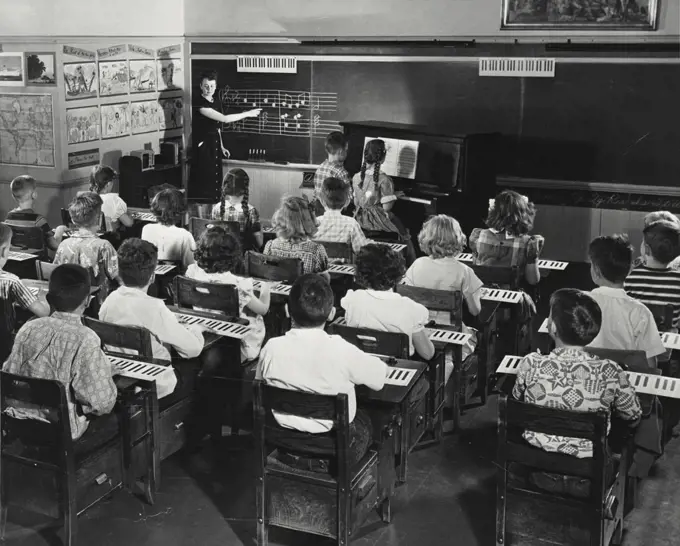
(208, 148)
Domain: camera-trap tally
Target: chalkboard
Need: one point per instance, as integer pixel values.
(606, 122)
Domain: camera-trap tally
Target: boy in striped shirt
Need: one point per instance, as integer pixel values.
(655, 282)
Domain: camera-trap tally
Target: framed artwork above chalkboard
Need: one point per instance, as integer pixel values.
(573, 14)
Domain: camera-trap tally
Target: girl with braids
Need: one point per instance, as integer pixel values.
(234, 207)
(374, 196)
(114, 208)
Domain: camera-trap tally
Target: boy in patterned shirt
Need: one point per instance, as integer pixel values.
(84, 247)
(333, 226)
(60, 348)
(333, 167)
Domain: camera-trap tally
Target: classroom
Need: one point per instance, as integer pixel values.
(298, 273)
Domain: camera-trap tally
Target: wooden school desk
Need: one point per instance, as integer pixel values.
(391, 412)
(22, 263)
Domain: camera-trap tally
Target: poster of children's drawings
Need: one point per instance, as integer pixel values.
(170, 74)
(82, 124)
(142, 75)
(144, 116)
(113, 78)
(171, 113)
(80, 80)
(115, 120)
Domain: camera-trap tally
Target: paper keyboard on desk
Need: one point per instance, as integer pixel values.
(442, 336)
(277, 288)
(216, 326)
(164, 269)
(503, 296)
(643, 383)
(34, 290)
(20, 256)
(145, 216)
(397, 247)
(343, 269)
(542, 264)
(399, 376)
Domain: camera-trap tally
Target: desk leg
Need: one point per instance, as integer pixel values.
(404, 435)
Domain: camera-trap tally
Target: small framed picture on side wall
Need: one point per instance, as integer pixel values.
(40, 68)
(12, 69)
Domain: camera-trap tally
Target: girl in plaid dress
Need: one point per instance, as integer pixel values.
(234, 207)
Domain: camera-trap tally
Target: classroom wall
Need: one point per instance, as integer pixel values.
(58, 185)
(377, 18)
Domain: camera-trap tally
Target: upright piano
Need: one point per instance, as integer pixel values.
(454, 174)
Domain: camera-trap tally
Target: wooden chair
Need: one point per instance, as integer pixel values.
(394, 344)
(28, 238)
(272, 268)
(43, 270)
(35, 454)
(7, 326)
(338, 252)
(528, 514)
(214, 296)
(134, 338)
(332, 504)
(663, 316)
(198, 225)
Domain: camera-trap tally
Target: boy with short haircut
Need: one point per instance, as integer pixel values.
(332, 167)
(655, 282)
(130, 305)
(84, 247)
(308, 359)
(25, 193)
(333, 226)
(626, 323)
(60, 347)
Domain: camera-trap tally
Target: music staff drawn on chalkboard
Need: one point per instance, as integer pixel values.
(287, 113)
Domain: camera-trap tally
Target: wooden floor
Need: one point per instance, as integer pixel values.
(208, 499)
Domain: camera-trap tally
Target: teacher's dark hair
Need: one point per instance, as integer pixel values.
(210, 75)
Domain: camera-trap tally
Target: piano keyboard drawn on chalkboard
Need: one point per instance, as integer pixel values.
(399, 376)
(286, 113)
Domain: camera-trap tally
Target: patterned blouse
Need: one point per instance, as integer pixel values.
(313, 255)
(573, 379)
(502, 250)
(234, 213)
(86, 249)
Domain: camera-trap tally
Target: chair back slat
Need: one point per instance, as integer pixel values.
(301, 404)
(44, 270)
(663, 316)
(499, 276)
(191, 293)
(272, 268)
(635, 361)
(198, 225)
(553, 421)
(338, 252)
(134, 338)
(32, 238)
(394, 344)
(436, 300)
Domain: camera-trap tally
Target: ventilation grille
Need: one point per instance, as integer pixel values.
(517, 67)
(267, 64)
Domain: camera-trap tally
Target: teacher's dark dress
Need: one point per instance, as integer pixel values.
(206, 169)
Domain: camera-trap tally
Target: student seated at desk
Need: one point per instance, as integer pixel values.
(114, 208)
(218, 257)
(626, 322)
(570, 377)
(649, 220)
(84, 247)
(60, 348)
(506, 241)
(308, 359)
(655, 282)
(173, 243)
(332, 167)
(295, 225)
(25, 193)
(333, 225)
(234, 207)
(442, 239)
(130, 305)
(378, 307)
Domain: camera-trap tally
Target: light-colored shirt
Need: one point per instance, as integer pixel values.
(310, 360)
(15, 291)
(626, 323)
(386, 311)
(60, 348)
(575, 380)
(338, 228)
(86, 249)
(443, 274)
(173, 243)
(252, 341)
(113, 207)
(130, 306)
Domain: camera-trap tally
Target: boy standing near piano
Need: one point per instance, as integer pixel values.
(130, 305)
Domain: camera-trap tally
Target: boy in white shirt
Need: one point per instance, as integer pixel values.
(173, 243)
(626, 322)
(130, 305)
(308, 359)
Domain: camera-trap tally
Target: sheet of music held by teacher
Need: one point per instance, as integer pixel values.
(288, 113)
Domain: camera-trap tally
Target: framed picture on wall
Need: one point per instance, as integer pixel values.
(574, 14)
(40, 69)
(12, 69)
(80, 80)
